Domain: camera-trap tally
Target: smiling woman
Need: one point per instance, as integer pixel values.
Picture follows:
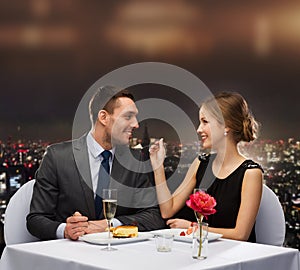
(234, 181)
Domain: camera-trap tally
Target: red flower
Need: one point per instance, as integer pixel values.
(202, 203)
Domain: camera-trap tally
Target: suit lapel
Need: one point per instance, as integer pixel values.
(118, 172)
(83, 165)
(124, 177)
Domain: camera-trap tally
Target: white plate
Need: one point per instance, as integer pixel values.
(102, 238)
(186, 238)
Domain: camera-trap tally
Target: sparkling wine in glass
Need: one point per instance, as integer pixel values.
(109, 199)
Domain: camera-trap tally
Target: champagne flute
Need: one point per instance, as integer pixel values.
(109, 199)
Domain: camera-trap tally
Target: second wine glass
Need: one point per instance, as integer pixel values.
(109, 199)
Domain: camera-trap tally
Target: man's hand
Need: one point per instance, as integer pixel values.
(96, 226)
(76, 226)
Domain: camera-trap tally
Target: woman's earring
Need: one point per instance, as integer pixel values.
(225, 133)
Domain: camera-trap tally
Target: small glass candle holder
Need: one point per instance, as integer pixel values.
(164, 242)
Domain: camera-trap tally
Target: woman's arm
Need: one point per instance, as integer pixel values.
(169, 203)
(250, 201)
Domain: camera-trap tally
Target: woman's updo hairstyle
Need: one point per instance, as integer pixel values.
(231, 109)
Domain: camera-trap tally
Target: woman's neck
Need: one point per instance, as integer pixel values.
(227, 159)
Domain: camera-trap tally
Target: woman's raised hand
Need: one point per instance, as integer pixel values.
(157, 154)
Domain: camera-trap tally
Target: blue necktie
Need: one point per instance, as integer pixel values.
(103, 181)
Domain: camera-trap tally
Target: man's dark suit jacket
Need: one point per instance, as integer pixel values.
(63, 186)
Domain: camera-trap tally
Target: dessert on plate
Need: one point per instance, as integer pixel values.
(125, 231)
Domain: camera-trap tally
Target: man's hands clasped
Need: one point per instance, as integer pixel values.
(78, 225)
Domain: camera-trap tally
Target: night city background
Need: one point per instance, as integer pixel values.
(52, 51)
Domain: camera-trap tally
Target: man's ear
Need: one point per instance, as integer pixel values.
(103, 117)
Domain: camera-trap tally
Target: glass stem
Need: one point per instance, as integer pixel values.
(108, 224)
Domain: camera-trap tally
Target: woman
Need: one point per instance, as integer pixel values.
(234, 181)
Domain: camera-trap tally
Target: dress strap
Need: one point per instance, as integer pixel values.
(250, 164)
(204, 157)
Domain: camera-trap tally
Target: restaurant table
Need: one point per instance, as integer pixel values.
(222, 254)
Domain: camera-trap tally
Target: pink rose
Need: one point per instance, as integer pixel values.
(202, 203)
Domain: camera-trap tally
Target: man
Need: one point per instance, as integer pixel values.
(63, 201)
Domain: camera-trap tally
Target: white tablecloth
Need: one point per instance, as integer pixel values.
(78, 255)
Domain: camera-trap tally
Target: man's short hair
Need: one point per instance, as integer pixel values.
(105, 98)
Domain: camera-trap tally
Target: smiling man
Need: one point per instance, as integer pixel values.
(66, 196)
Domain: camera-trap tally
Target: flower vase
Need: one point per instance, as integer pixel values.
(200, 241)
(203, 205)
